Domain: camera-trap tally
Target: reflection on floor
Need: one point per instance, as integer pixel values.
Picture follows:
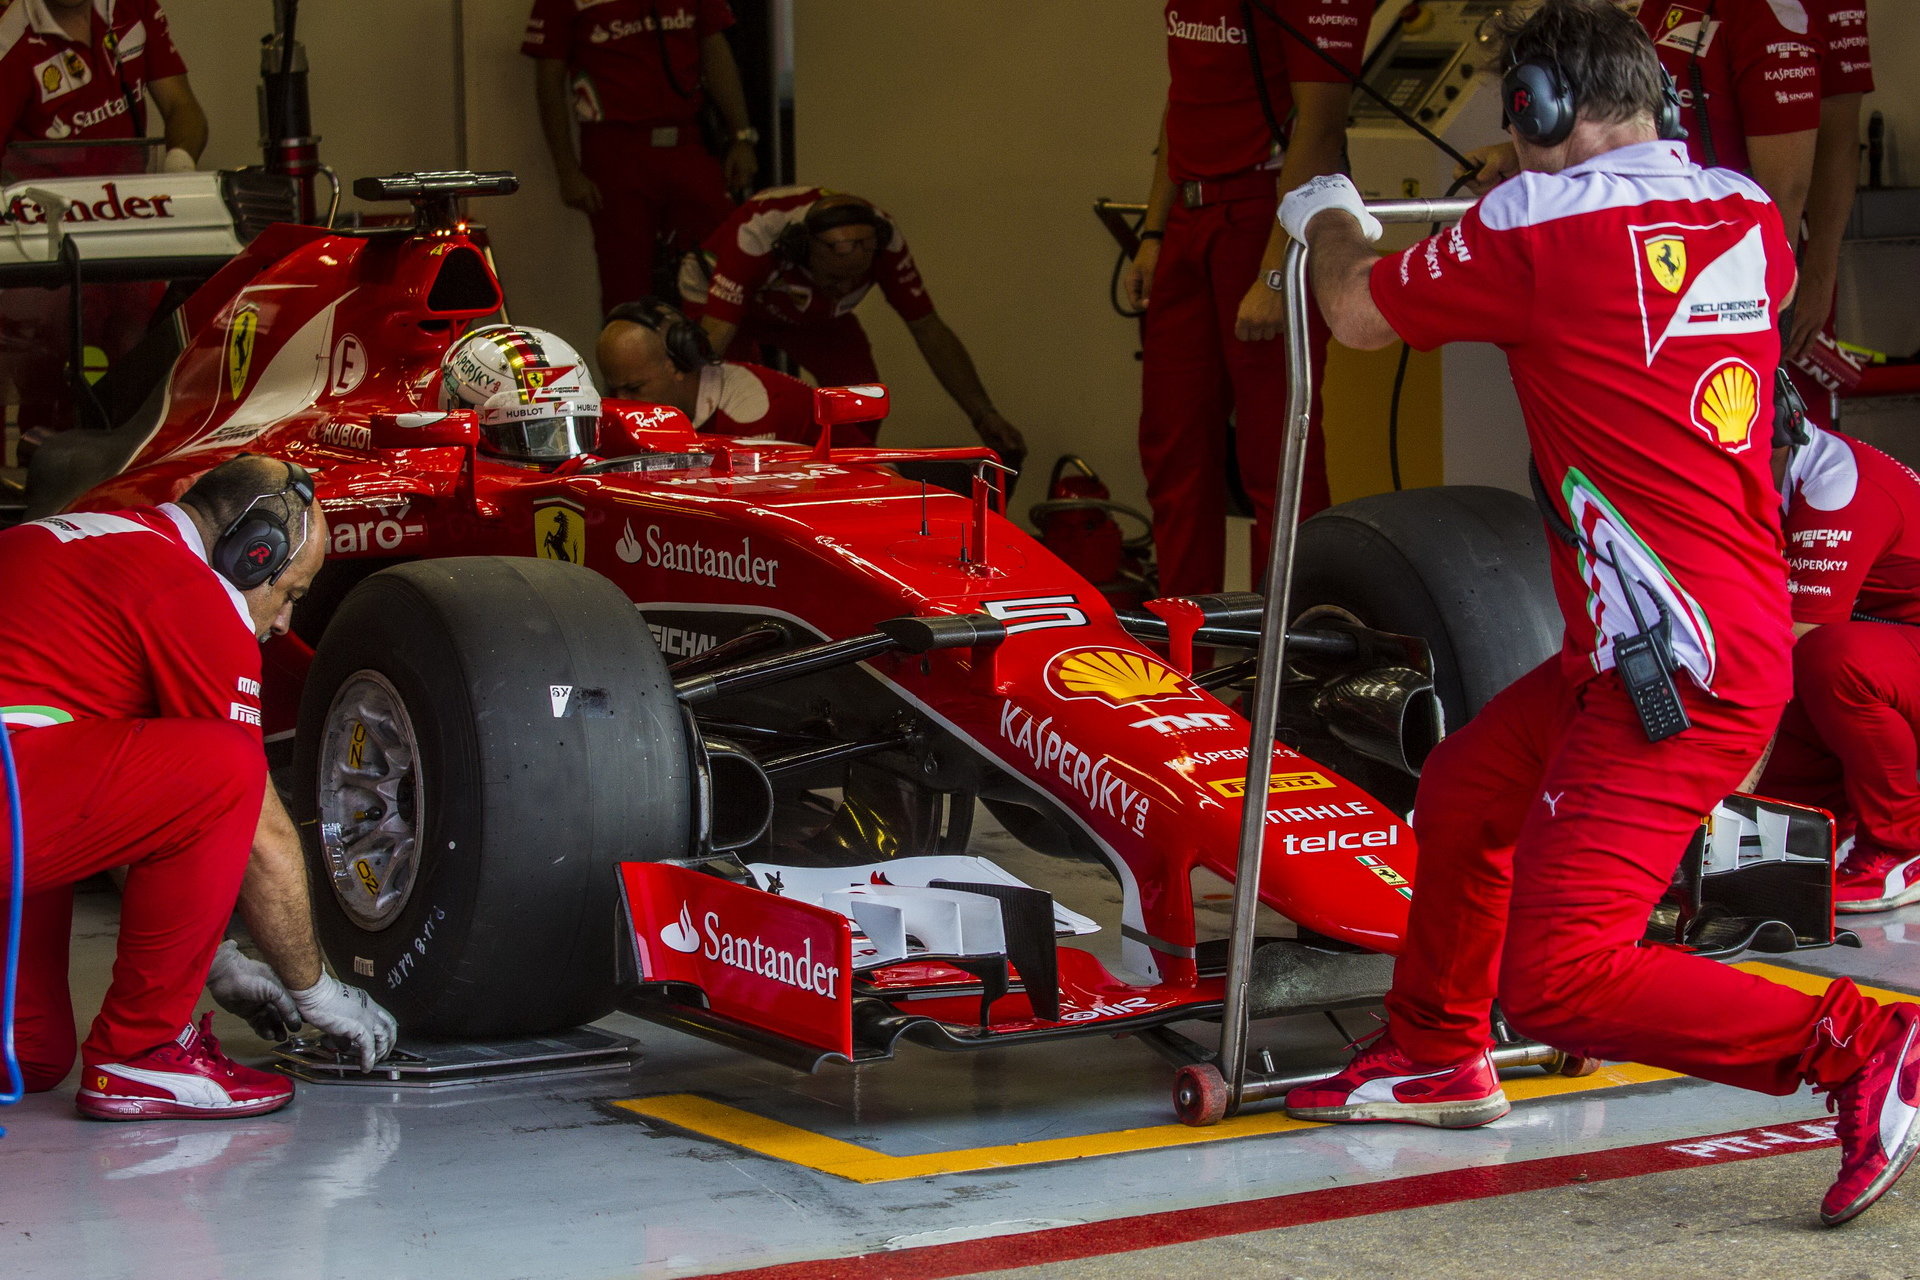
(558, 1179)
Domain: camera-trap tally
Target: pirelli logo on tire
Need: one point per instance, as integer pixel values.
(1235, 788)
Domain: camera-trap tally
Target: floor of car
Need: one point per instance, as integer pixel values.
(1057, 1159)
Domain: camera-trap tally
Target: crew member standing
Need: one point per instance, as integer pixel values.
(787, 269)
(1848, 740)
(1553, 821)
(130, 683)
(1208, 269)
(1846, 77)
(75, 70)
(635, 75)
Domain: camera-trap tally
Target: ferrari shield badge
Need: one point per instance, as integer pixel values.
(1667, 258)
(241, 330)
(560, 533)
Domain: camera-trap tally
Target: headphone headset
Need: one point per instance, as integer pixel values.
(1541, 107)
(687, 344)
(254, 549)
(790, 246)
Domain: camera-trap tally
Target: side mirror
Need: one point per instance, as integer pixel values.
(839, 406)
(842, 406)
(424, 430)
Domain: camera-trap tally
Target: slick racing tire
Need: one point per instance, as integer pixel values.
(1460, 566)
(481, 741)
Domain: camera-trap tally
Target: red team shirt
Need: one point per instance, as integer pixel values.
(1215, 126)
(746, 271)
(748, 400)
(626, 56)
(1853, 532)
(1758, 60)
(1635, 298)
(1846, 65)
(118, 616)
(58, 89)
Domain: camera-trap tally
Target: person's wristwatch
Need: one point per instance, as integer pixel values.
(1276, 280)
(748, 135)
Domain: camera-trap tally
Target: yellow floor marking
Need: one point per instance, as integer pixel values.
(855, 1163)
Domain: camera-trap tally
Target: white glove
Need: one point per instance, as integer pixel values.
(178, 160)
(249, 989)
(351, 1015)
(1332, 191)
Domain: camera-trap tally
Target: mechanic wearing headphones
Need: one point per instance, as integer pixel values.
(1207, 271)
(1749, 73)
(648, 351)
(130, 681)
(636, 74)
(1752, 75)
(787, 268)
(1551, 823)
(1847, 742)
(73, 70)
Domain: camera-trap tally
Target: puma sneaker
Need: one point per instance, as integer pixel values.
(1382, 1083)
(188, 1078)
(1877, 1109)
(1876, 880)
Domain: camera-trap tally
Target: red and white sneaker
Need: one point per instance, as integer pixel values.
(1382, 1083)
(185, 1079)
(1878, 1108)
(1876, 880)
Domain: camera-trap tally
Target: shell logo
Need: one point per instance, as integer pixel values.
(1726, 404)
(1113, 676)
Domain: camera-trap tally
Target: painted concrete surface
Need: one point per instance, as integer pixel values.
(1740, 1220)
(549, 1179)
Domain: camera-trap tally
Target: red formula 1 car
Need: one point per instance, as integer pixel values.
(744, 809)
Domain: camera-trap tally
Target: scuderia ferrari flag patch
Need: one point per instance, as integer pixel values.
(1697, 282)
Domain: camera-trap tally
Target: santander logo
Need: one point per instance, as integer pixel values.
(628, 548)
(747, 952)
(680, 935)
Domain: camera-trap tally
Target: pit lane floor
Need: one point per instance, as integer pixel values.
(1060, 1155)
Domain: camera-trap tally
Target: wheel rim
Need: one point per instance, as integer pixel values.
(370, 800)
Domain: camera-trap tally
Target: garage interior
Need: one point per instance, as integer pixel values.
(990, 129)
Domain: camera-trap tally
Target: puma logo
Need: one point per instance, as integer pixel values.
(1552, 801)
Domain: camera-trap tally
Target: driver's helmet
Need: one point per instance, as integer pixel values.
(531, 394)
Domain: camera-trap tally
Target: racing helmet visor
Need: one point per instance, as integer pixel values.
(547, 431)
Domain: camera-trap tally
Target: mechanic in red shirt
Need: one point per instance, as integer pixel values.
(788, 267)
(1207, 272)
(130, 685)
(635, 75)
(1848, 740)
(1636, 296)
(72, 70)
(648, 351)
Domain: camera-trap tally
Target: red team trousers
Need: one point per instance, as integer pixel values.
(1848, 740)
(645, 190)
(176, 802)
(1548, 827)
(1195, 374)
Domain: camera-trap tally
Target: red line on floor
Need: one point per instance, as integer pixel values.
(1184, 1226)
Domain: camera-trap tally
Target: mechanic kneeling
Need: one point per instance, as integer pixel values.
(648, 351)
(1553, 821)
(130, 681)
(1847, 741)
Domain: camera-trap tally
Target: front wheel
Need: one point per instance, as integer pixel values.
(481, 741)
